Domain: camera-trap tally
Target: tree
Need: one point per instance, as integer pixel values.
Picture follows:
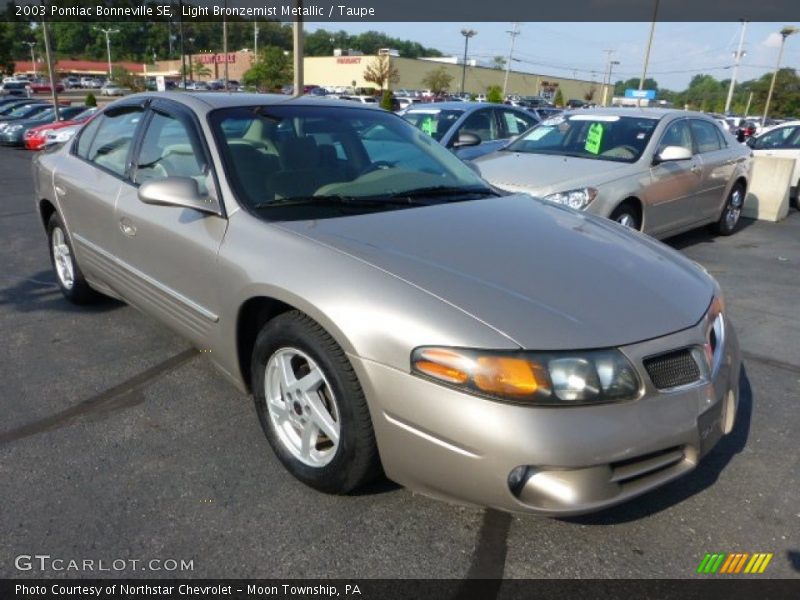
(633, 84)
(589, 96)
(124, 78)
(201, 70)
(438, 80)
(559, 99)
(386, 100)
(273, 69)
(498, 62)
(494, 94)
(381, 72)
(90, 100)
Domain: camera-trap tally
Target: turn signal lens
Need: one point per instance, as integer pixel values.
(509, 376)
(447, 365)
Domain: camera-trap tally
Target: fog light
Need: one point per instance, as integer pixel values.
(517, 479)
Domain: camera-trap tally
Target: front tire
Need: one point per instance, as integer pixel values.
(311, 406)
(627, 215)
(68, 275)
(732, 211)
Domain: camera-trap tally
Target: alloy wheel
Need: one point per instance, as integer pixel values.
(734, 210)
(62, 258)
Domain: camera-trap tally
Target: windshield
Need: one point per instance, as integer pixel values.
(599, 137)
(24, 110)
(434, 122)
(82, 116)
(283, 155)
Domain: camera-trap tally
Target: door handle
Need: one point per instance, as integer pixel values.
(60, 190)
(126, 227)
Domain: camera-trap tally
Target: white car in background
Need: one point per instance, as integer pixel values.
(112, 89)
(782, 141)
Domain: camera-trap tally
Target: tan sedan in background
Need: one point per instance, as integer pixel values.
(660, 171)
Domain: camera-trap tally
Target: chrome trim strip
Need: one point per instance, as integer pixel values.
(193, 306)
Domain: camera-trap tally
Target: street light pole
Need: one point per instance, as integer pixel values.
(785, 32)
(607, 81)
(467, 33)
(737, 57)
(297, 42)
(225, 45)
(33, 57)
(513, 33)
(183, 53)
(108, 33)
(50, 68)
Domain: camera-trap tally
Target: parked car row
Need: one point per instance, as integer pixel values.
(29, 122)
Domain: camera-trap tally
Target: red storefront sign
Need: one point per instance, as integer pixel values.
(210, 59)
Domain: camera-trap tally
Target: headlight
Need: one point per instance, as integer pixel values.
(45, 133)
(545, 378)
(63, 136)
(577, 199)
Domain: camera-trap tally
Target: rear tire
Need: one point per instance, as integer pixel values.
(68, 275)
(732, 211)
(627, 215)
(321, 431)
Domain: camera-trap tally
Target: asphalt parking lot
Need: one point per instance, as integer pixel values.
(120, 442)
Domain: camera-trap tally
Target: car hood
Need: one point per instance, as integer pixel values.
(545, 276)
(542, 174)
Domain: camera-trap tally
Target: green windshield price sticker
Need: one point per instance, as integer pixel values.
(594, 138)
(429, 126)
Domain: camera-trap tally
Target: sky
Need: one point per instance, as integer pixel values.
(680, 50)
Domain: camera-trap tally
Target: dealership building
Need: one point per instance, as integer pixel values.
(348, 70)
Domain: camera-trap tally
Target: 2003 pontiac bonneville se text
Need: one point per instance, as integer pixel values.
(387, 309)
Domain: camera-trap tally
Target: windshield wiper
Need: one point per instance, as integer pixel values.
(330, 200)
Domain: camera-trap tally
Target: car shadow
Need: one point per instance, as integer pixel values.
(794, 559)
(706, 473)
(703, 235)
(39, 292)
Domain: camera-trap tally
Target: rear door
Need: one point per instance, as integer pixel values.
(169, 253)
(87, 185)
(484, 124)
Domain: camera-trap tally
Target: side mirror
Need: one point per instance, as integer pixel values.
(751, 141)
(673, 153)
(176, 191)
(466, 139)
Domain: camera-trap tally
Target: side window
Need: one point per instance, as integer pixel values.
(110, 146)
(170, 150)
(516, 123)
(677, 134)
(777, 138)
(705, 136)
(86, 137)
(482, 124)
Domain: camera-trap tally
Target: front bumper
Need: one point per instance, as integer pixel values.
(11, 139)
(463, 448)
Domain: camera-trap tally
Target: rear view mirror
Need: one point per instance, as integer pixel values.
(466, 139)
(673, 153)
(176, 191)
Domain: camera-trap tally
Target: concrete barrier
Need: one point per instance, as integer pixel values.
(768, 196)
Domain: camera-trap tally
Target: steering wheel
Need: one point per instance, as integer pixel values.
(615, 151)
(377, 165)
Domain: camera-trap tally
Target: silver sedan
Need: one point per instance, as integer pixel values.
(388, 311)
(660, 171)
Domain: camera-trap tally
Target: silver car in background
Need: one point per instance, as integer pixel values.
(387, 309)
(659, 171)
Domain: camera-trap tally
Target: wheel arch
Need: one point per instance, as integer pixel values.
(634, 202)
(46, 210)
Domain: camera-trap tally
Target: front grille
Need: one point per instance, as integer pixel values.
(672, 369)
(627, 471)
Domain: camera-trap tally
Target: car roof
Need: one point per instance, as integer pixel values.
(465, 106)
(207, 101)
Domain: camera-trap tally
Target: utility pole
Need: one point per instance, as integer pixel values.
(108, 33)
(467, 33)
(649, 45)
(255, 41)
(50, 68)
(297, 35)
(225, 47)
(749, 101)
(607, 77)
(785, 32)
(31, 45)
(737, 57)
(513, 33)
(183, 52)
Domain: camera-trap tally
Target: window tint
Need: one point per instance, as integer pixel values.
(705, 136)
(86, 137)
(482, 124)
(778, 138)
(677, 134)
(169, 149)
(516, 123)
(110, 146)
